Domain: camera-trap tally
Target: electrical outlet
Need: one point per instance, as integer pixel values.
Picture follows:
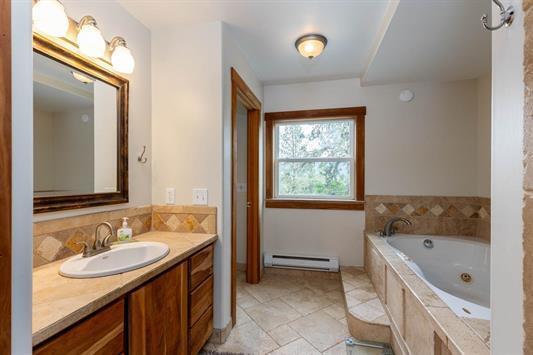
(199, 196)
(170, 196)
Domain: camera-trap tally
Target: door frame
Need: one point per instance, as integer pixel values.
(5, 176)
(240, 92)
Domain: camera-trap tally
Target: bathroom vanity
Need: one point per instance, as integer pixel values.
(163, 308)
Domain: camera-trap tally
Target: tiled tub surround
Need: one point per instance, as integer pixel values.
(57, 239)
(437, 215)
(364, 311)
(421, 323)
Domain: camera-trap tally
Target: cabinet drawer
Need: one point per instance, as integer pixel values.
(200, 332)
(101, 333)
(200, 266)
(201, 300)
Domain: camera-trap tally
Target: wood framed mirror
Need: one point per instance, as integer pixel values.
(80, 130)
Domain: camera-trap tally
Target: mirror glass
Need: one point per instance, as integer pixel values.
(74, 132)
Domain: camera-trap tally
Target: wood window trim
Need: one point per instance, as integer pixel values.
(358, 115)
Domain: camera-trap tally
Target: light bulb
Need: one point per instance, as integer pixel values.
(90, 39)
(121, 57)
(49, 17)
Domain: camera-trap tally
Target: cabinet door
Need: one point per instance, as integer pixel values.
(100, 333)
(158, 314)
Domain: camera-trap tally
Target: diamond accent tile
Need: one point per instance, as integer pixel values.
(468, 211)
(173, 223)
(437, 210)
(408, 209)
(483, 213)
(49, 248)
(381, 208)
(191, 222)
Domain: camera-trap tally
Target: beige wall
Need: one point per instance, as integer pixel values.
(43, 150)
(105, 137)
(187, 129)
(63, 151)
(192, 128)
(113, 20)
(425, 147)
(484, 135)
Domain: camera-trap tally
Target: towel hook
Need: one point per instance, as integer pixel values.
(507, 17)
(141, 158)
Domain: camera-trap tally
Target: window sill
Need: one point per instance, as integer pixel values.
(315, 204)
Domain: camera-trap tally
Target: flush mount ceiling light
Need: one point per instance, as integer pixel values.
(121, 58)
(311, 45)
(90, 39)
(49, 17)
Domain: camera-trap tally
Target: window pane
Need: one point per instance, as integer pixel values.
(314, 179)
(325, 139)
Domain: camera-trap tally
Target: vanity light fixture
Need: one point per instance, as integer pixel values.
(49, 17)
(121, 57)
(90, 39)
(311, 45)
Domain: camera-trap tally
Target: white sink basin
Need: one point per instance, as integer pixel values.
(119, 259)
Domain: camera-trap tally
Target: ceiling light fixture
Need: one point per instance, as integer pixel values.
(90, 39)
(49, 17)
(121, 57)
(311, 45)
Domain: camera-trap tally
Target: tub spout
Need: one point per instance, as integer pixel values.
(389, 229)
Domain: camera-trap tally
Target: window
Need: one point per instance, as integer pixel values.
(315, 159)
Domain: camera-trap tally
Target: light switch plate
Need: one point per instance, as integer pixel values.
(199, 196)
(170, 196)
(241, 187)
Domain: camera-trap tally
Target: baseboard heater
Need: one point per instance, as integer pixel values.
(291, 261)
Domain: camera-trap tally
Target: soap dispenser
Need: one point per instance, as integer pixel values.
(125, 234)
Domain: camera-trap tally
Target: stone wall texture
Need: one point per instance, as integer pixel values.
(59, 238)
(434, 215)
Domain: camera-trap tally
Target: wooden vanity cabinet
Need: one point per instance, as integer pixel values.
(170, 314)
(100, 333)
(157, 313)
(173, 313)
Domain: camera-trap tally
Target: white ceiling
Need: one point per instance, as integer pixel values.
(433, 40)
(378, 40)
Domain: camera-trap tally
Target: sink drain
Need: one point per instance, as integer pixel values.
(466, 277)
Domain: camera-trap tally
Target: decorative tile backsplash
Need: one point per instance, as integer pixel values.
(59, 238)
(441, 215)
(186, 219)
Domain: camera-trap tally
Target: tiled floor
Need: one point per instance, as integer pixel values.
(289, 313)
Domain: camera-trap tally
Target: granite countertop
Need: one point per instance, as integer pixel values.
(59, 302)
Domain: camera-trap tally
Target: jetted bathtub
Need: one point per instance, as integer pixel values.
(456, 269)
